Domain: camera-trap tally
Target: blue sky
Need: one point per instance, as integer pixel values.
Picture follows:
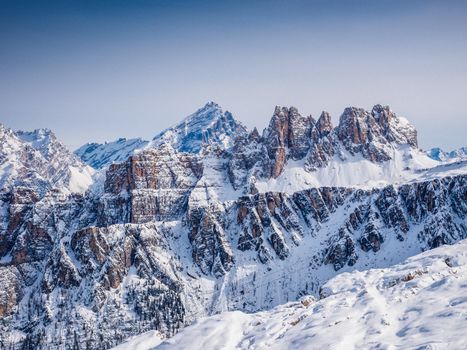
(99, 70)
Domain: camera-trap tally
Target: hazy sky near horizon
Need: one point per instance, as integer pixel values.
(99, 70)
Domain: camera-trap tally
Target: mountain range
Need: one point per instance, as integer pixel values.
(126, 237)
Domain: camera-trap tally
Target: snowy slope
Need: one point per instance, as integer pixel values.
(101, 155)
(420, 303)
(143, 341)
(406, 165)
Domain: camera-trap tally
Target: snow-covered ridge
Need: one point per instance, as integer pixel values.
(420, 303)
(99, 155)
(38, 160)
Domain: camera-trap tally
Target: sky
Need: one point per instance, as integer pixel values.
(100, 70)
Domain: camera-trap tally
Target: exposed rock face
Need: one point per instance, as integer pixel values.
(324, 124)
(248, 160)
(168, 236)
(11, 292)
(211, 250)
(373, 134)
(394, 129)
(158, 183)
(288, 132)
(437, 206)
(359, 132)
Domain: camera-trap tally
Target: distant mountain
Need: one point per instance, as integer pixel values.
(39, 161)
(452, 156)
(99, 155)
(209, 125)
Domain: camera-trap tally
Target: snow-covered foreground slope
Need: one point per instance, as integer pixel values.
(419, 304)
(143, 341)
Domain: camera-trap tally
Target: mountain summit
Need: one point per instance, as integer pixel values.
(209, 125)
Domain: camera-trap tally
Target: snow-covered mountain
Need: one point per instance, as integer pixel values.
(39, 161)
(209, 125)
(209, 217)
(452, 156)
(100, 155)
(419, 304)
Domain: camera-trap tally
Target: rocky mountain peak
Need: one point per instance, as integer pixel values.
(374, 134)
(42, 140)
(353, 126)
(394, 129)
(208, 125)
(383, 115)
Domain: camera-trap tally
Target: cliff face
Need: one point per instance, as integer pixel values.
(168, 236)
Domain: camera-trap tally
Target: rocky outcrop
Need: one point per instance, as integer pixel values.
(211, 250)
(373, 134)
(11, 291)
(324, 124)
(156, 182)
(248, 161)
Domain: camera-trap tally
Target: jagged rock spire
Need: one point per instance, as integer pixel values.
(324, 124)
